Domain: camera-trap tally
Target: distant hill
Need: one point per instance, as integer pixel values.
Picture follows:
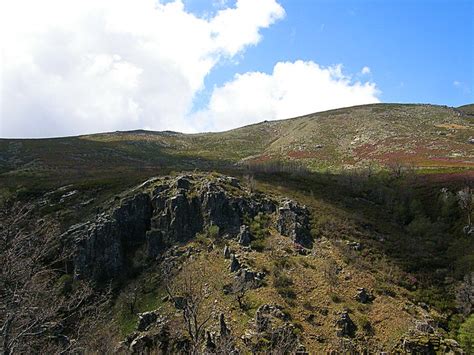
(423, 136)
(469, 109)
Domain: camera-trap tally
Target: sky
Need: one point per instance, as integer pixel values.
(70, 67)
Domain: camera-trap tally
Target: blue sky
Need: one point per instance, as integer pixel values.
(419, 51)
(76, 67)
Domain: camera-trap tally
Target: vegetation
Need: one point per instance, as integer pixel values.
(391, 212)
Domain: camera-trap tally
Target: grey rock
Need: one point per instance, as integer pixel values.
(100, 246)
(249, 279)
(226, 252)
(145, 320)
(465, 295)
(235, 264)
(425, 326)
(345, 326)
(161, 213)
(293, 222)
(183, 182)
(224, 329)
(265, 313)
(363, 296)
(244, 237)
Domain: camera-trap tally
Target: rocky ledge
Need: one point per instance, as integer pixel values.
(167, 211)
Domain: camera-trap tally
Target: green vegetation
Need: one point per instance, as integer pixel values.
(466, 334)
(381, 183)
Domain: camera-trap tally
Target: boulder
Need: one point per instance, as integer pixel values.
(363, 296)
(345, 326)
(227, 252)
(234, 264)
(224, 329)
(145, 320)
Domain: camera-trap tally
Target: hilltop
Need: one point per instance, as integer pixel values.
(424, 136)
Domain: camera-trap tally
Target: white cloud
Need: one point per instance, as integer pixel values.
(71, 67)
(365, 71)
(293, 89)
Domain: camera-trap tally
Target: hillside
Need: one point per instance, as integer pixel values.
(382, 134)
(338, 231)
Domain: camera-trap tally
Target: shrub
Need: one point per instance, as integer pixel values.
(213, 231)
(335, 298)
(283, 285)
(258, 245)
(287, 292)
(64, 284)
(466, 334)
(282, 281)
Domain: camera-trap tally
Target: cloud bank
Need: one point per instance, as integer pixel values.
(293, 89)
(74, 67)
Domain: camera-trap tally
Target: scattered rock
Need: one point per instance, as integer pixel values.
(227, 252)
(234, 264)
(345, 326)
(145, 320)
(224, 329)
(363, 296)
(354, 245)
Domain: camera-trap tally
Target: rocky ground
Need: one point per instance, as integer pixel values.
(198, 263)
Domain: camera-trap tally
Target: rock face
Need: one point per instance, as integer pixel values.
(101, 246)
(293, 222)
(163, 212)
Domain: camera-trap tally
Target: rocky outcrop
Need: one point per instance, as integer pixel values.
(273, 332)
(164, 212)
(101, 246)
(425, 338)
(293, 222)
(156, 341)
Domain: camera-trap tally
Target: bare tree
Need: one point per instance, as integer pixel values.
(37, 313)
(188, 292)
(283, 340)
(466, 202)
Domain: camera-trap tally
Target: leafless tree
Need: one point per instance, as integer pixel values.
(188, 292)
(283, 340)
(331, 271)
(35, 312)
(251, 183)
(466, 202)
